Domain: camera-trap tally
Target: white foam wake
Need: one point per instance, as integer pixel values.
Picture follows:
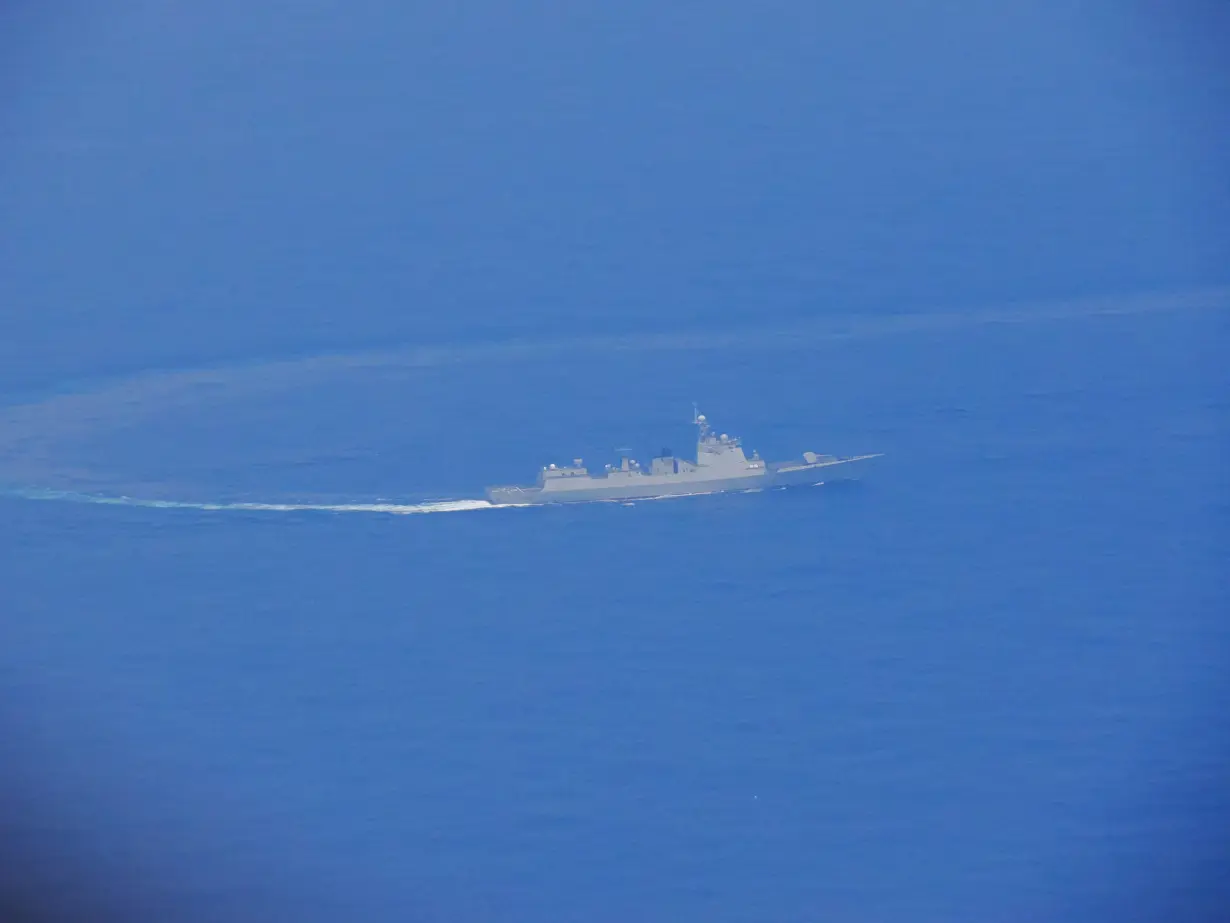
(400, 509)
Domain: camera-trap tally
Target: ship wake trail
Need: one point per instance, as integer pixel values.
(397, 509)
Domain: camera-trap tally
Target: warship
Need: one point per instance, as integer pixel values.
(721, 465)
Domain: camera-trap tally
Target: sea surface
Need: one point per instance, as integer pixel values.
(982, 683)
(284, 286)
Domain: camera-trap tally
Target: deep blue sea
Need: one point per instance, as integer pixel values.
(317, 255)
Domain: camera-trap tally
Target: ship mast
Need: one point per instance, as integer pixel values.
(701, 424)
(698, 418)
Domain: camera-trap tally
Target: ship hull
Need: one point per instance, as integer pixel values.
(646, 487)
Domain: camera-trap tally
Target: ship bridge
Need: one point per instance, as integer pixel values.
(719, 454)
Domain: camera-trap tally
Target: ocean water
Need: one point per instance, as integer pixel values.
(284, 286)
(981, 683)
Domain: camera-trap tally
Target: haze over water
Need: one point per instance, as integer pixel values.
(279, 270)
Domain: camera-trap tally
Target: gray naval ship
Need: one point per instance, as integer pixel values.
(720, 465)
